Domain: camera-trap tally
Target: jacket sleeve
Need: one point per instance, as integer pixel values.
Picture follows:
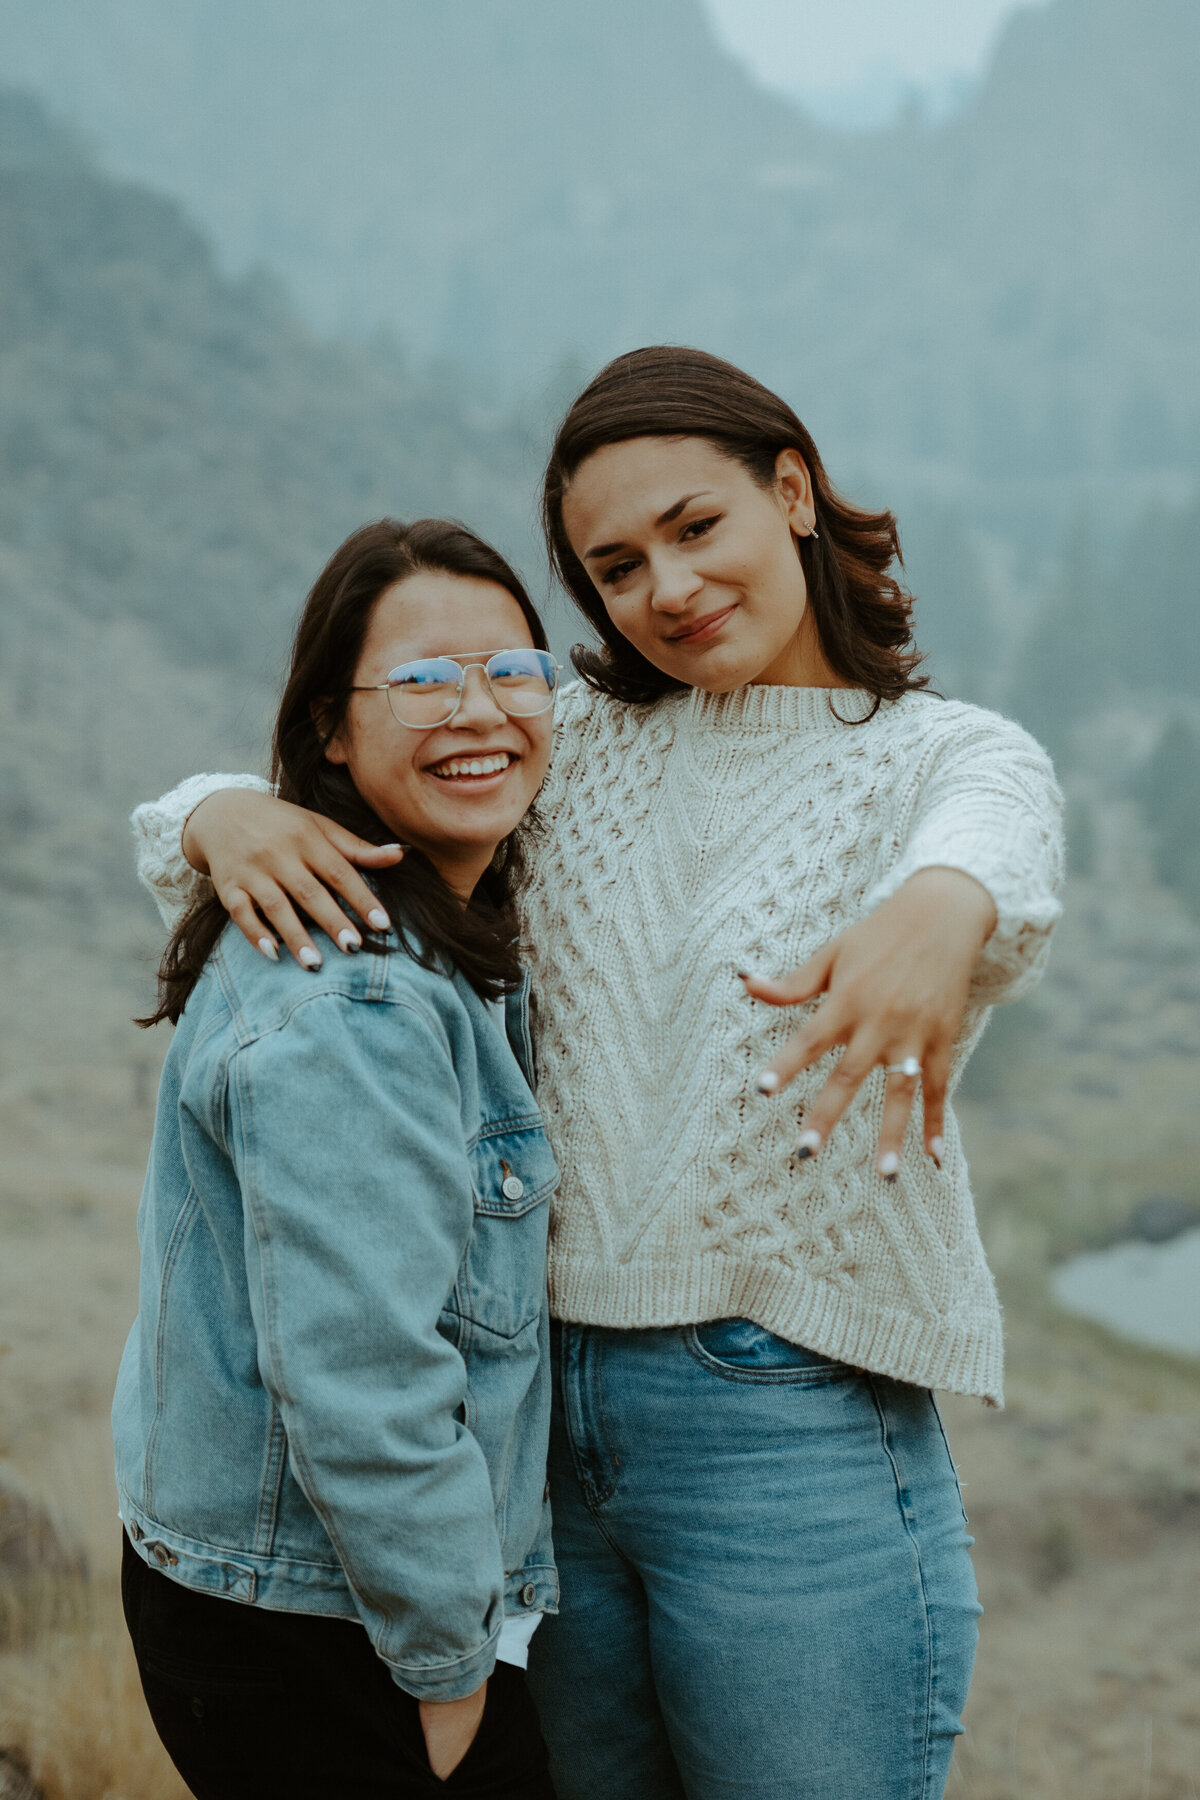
(987, 803)
(346, 1135)
(158, 840)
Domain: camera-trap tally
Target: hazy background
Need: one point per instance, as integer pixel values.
(268, 269)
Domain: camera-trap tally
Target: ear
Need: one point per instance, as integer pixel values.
(793, 484)
(333, 745)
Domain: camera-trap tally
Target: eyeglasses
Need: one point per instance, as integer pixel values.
(523, 683)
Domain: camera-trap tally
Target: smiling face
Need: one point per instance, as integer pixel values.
(697, 564)
(454, 791)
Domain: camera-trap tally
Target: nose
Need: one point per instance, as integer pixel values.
(674, 583)
(477, 710)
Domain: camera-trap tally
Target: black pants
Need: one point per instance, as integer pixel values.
(288, 1706)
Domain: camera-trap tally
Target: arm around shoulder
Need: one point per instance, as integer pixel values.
(158, 838)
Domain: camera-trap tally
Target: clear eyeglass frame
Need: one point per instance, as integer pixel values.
(430, 689)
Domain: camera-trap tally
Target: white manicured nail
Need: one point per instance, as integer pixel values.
(349, 941)
(889, 1166)
(267, 946)
(768, 1082)
(377, 919)
(937, 1149)
(310, 958)
(809, 1144)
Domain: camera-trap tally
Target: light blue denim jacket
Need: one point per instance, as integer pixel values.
(335, 1396)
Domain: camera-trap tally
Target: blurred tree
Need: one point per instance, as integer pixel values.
(1068, 665)
(1081, 836)
(954, 622)
(1168, 786)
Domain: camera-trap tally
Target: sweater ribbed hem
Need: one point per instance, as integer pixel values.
(931, 1353)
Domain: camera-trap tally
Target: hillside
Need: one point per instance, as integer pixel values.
(998, 308)
(176, 446)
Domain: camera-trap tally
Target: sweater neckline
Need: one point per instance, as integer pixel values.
(771, 707)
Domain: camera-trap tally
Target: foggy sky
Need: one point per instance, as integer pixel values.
(850, 54)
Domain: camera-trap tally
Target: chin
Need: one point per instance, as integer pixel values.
(718, 674)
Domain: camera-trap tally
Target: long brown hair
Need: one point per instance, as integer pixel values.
(862, 613)
(480, 940)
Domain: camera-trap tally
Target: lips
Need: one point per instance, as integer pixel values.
(698, 631)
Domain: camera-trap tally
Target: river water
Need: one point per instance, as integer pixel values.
(1147, 1292)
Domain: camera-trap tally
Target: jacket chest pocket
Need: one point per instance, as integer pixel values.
(502, 1280)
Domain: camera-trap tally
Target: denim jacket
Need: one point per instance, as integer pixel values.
(335, 1397)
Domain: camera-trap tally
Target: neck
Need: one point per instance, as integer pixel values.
(802, 662)
(462, 869)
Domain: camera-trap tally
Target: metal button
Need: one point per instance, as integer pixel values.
(135, 1531)
(161, 1554)
(528, 1594)
(513, 1187)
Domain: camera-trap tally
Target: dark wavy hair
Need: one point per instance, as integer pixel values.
(480, 939)
(862, 613)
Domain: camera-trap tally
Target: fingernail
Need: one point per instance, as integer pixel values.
(889, 1166)
(937, 1149)
(310, 958)
(768, 1082)
(810, 1143)
(267, 946)
(350, 942)
(399, 848)
(377, 919)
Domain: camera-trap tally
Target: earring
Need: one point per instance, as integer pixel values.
(812, 531)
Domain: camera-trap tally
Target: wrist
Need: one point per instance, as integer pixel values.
(193, 855)
(960, 899)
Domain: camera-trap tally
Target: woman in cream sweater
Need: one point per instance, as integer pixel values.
(764, 1254)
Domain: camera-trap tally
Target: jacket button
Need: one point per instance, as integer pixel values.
(135, 1531)
(528, 1594)
(512, 1187)
(161, 1555)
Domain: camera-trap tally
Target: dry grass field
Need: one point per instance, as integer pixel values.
(1084, 1494)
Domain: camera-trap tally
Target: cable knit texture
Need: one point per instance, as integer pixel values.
(708, 833)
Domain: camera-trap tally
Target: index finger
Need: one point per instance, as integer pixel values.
(343, 881)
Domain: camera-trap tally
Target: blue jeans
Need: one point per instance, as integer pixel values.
(766, 1580)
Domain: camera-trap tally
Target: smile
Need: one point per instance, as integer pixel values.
(700, 630)
(470, 770)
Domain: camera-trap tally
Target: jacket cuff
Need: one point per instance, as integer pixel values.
(448, 1681)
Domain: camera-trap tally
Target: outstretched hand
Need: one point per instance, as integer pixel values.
(262, 854)
(895, 987)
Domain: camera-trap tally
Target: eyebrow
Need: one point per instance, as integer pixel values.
(665, 518)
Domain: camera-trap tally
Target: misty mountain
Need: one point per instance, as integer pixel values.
(998, 308)
(176, 446)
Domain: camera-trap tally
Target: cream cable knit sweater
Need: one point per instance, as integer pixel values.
(709, 833)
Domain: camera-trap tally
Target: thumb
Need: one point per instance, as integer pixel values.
(804, 983)
(357, 850)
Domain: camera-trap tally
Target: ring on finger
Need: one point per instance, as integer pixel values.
(911, 1066)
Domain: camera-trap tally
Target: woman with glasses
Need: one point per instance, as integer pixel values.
(763, 1255)
(332, 1413)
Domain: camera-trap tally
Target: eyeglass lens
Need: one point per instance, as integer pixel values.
(427, 693)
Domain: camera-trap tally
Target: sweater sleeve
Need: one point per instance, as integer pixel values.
(988, 804)
(158, 839)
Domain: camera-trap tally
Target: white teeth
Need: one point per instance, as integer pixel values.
(475, 765)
